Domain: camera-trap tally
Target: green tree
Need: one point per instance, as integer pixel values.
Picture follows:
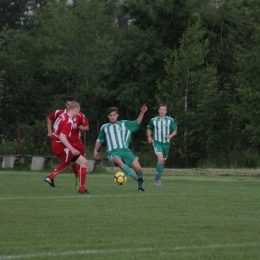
(22, 85)
(189, 82)
(79, 41)
(246, 111)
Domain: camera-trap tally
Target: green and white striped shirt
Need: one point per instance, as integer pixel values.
(117, 135)
(161, 128)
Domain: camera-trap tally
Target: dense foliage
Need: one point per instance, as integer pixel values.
(200, 57)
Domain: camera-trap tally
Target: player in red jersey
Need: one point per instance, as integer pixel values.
(81, 124)
(54, 115)
(64, 150)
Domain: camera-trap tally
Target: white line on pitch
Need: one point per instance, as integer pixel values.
(87, 252)
(72, 196)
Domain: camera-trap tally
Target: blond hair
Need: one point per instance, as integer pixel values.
(73, 104)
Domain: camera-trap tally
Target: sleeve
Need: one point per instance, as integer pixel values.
(150, 126)
(101, 136)
(132, 125)
(173, 125)
(84, 120)
(54, 115)
(51, 116)
(66, 129)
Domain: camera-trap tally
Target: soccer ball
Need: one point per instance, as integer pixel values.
(120, 178)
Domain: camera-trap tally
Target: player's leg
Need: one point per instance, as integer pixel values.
(61, 167)
(138, 169)
(75, 167)
(116, 157)
(61, 153)
(159, 169)
(158, 150)
(83, 164)
(161, 158)
(124, 167)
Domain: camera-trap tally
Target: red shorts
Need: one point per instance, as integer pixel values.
(80, 147)
(62, 152)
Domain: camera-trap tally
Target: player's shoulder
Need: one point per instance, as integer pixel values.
(168, 118)
(66, 116)
(122, 122)
(155, 118)
(60, 111)
(105, 125)
(80, 114)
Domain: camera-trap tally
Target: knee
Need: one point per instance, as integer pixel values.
(161, 161)
(83, 161)
(138, 169)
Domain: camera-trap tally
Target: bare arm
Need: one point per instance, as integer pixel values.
(149, 136)
(49, 127)
(97, 146)
(65, 141)
(171, 135)
(84, 128)
(141, 115)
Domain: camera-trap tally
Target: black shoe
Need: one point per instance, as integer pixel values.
(50, 181)
(83, 192)
(141, 179)
(141, 189)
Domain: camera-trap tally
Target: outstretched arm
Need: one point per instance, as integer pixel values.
(141, 115)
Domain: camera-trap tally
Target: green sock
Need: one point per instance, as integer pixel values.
(140, 184)
(127, 170)
(159, 168)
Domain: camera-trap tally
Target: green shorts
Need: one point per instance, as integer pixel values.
(161, 148)
(124, 154)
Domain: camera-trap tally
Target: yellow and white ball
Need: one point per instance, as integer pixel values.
(120, 178)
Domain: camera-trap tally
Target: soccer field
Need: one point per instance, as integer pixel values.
(189, 217)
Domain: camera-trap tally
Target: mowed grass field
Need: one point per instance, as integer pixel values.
(192, 216)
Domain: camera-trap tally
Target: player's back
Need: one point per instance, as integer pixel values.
(63, 124)
(54, 115)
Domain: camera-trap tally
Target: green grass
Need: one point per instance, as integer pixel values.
(189, 217)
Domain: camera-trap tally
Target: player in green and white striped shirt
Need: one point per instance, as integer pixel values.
(163, 129)
(117, 135)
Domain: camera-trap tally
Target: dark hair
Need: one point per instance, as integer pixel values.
(112, 109)
(163, 105)
(69, 99)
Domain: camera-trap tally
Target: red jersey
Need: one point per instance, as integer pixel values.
(79, 120)
(54, 115)
(63, 124)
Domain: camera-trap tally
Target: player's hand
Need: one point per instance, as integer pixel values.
(75, 152)
(96, 154)
(49, 134)
(168, 137)
(144, 108)
(150, 140)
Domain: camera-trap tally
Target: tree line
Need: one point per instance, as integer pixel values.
(200, 57)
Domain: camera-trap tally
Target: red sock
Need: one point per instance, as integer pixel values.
(82, 178)
(75, 168)
(62, 166)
